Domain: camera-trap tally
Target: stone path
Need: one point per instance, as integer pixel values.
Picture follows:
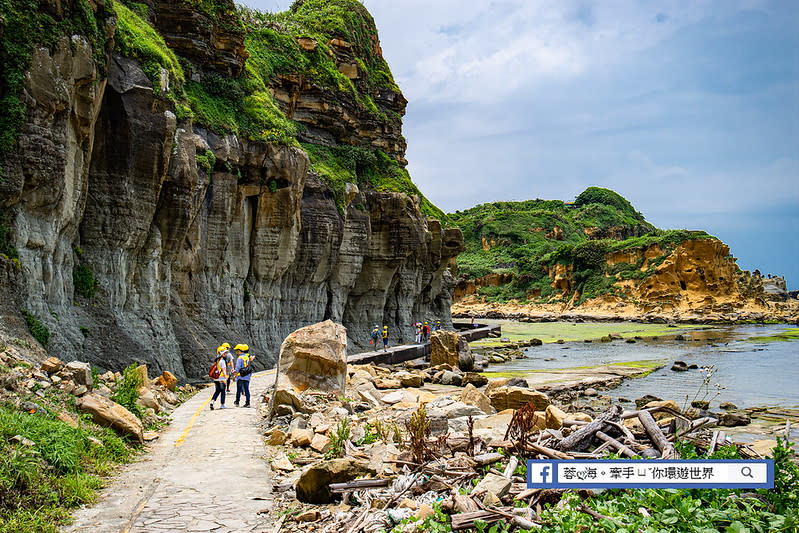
(205, 473)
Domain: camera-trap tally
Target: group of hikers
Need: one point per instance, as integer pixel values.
(229, 366)
(422, 333)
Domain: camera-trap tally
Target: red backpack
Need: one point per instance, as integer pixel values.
(214, 372)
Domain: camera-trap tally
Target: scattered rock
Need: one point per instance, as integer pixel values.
(473, 378)
(514, 397)
(450, 378)
(309, 516)
(301, 437)
(312, 486)
(728, 405)
(590, 392)
(700, 404)
(51, 365)
(407, 379)
(277, 438)
(680, 366)
(554, 417)
(80, 390)
(19, 439)
(108, 413)
(645, 399)
(499, 485)
(444, 348)
(472, 396)
(728, 419)
(320, 443)
(150, 436)
(79, 373)
(167, 380)
(424, 512)
(517, 382)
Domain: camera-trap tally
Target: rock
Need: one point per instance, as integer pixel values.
(517, 382)
(424, 512)
(51, 365)
(493, 428)
(461, 409)
(281, 462)
(643, 400)
(19, 439)
(450, 378)
(320, 443)
(701, 404)
(407, 503)
(497, 484)
(472, 396)
(407, 379)
(150, 436)
(680, 366)
(301, 437)
(554, 417)
(460, 425)
(393, 397)
(491, 500)
(67, 419)
(473, 378)
(80, 390)
(79, 373)
(660, 415)
(312, 486)
(110, 414)
(313, 357)
(167, 379)
(277, 438)
(387, 383)
(590, 392)
(309, 516)
(444, 348)
(728, 419)
(514, 397)
(764, 447)
(147, 400)
(728, 405)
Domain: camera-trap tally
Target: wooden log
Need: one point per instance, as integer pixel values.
(511, 468)
(658, 438)
(467, 520)
(621, 448)
(569, 422)
(549, 452)
(718, 437)
(581, 439)
(359, 484)
(487, 458)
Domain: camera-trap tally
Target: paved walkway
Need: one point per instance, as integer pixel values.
(205, 473)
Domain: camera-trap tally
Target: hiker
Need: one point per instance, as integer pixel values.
(385, 338)
(229, 361)
(425, 331)
(244, 373)
(375, 336)
(219, 374)
(437, 326)
(418, 329)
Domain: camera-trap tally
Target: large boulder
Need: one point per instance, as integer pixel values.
(78, 372)
(51, 365)
(514, 397)
(472, 396)
(312, 486)
(313, 357)
(444, 348)
(110, 414)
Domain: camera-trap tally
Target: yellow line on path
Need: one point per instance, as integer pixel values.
(179, 442)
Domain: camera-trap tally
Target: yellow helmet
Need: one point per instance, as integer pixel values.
(220, 349)
(226, 346)
(242, 347)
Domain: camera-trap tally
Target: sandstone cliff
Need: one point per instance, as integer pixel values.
(142, 232)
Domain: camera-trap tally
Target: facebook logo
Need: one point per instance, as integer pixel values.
(540, 474)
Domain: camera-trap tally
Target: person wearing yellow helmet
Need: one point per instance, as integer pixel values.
(224, 349)
(219, 373)
(243, 369)
(385, 338)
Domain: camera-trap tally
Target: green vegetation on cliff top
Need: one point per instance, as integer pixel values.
(528, 239)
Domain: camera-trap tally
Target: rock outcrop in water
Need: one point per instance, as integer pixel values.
(146, 237)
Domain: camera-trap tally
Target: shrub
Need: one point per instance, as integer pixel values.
(83, 281)
(206, 161)
(37, 329)
(128, 390)
(338, 438)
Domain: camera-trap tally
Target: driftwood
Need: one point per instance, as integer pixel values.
(658, 438)
(621, 448)
(718, 436)
(487, 458)
(513, 462)
(581, 439)
(467, 520)
(549, 452)
(359, 484)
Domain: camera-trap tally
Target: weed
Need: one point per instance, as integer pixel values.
(418, 427)
(338, 438)
(206, 161)
(128, 390)
(83, 281)
(37, 329)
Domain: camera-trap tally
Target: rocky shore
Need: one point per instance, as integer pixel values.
(389, 448)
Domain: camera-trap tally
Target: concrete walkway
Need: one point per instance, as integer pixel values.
(205, 473)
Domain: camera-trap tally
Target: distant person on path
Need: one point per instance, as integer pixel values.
(244, 373)
(418, 328)
(425, 332)
(472, 321)
(219, 374)
(437, 326)
(385, 338)
(375, 336)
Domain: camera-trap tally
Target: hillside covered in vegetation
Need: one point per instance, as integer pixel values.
(545, 251)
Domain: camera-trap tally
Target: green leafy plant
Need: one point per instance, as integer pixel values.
(128, 390)
(418, 428)
(83, 281)
(338, 438)
(206, 161)
(38, 330)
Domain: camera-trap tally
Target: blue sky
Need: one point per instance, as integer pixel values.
(688, 109)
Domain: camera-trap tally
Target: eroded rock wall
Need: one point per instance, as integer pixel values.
(185, 258)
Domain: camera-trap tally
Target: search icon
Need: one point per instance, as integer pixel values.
(747, 472)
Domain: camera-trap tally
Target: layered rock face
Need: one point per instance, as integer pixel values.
(105, 175)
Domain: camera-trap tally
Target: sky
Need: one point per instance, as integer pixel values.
(690, 110)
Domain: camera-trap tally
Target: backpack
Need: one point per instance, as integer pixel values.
(375, 334)
(246, 370)
(214, 371)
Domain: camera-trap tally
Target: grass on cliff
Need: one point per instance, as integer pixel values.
(26, 27)
(528, 239)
